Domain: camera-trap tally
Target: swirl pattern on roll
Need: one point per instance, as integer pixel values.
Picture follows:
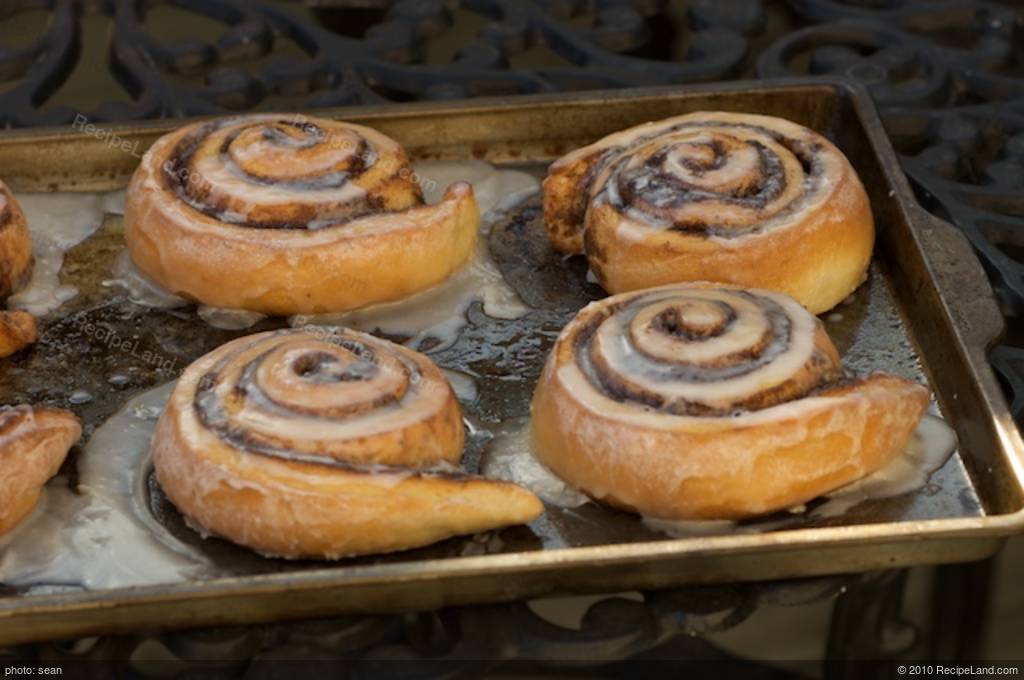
(284, 215)
(713, 178)
(705, 351)
(323, 443)
(338, 399)
(289, 173)
(706, 400)
(710, 196)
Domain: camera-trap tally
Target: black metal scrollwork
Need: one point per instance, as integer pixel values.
(467, 641)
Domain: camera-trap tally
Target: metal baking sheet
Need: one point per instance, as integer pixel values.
(926, 312)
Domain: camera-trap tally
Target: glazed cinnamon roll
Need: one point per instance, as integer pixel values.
(706, 401)
(324, 444)
(34, 440)
(15, 245)
(282, 215)
(739, 198)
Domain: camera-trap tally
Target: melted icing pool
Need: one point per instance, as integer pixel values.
(58, 222)
(229, 319)
(438, 313)
(509, 456)
(493, 364)
(138, 287)
(102, 534)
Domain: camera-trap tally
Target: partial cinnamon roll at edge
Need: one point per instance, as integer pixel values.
(744, 199)
(34, 440)
(705, 401)
(18, 330)
(15, 245)
(324, 444)
(281, 215)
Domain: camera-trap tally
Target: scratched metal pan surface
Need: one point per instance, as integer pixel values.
(926, 312)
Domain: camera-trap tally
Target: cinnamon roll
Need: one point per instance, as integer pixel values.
(34, 440)
(708, 401)
(18, 330)
(282, 215)
(324, 444)
(15, 245)
(750, 200)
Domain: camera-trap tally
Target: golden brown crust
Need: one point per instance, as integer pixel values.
(712, 196)
(717, 461)
(267, 214)
(324, 445)
(566, 199)
(15, 245)
(18, 330)
(34, 441)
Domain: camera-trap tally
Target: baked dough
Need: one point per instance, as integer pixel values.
(286, 215)
(705, 401)
(18, 330)
(15, 245)
(34, 440)
(324, 443)
(745, 199)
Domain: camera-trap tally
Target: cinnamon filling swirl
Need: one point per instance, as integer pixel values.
(711, 177)
(709, 401)
(739, 198)
(704, 351)
(267, 397)
(288, 215)
(218, 168)
(324, 442)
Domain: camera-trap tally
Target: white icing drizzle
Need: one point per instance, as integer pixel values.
(674, 144)
(493, 188)
(113, 201)
(278, 354)
(509, 456)
(229, 319)
(140, 289)
(682, 528)
(58, 222)
(637, 352)
(103, 536)
(928, 450)
(229, 152)
(227, 181)
(440, 312)
(463, 384)
(631, 348)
